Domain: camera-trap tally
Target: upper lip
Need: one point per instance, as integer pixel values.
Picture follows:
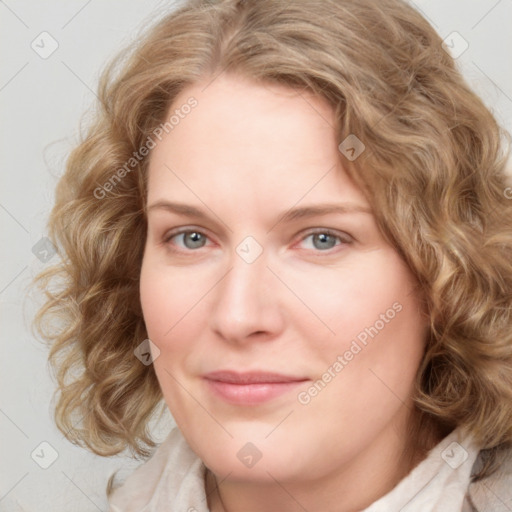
(254, 377)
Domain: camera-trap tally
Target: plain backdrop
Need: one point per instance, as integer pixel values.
(43, 96)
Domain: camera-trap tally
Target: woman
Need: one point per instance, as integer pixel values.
(290, 222)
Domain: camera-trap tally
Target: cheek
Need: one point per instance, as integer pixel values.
(365, 372)
(371, 292)
(372, 319)
(172, 309)
(169, 299)
(156, 304)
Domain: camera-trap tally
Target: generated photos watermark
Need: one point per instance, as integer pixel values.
(180, 113)
(356, 346)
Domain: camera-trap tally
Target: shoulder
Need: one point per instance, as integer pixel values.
(494, 492)
(174, 475)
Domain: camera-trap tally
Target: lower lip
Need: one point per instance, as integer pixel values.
(250, 394)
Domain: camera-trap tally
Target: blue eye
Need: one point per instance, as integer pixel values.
(323, 240)
(191, 239)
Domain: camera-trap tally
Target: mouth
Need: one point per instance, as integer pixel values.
(250, 388)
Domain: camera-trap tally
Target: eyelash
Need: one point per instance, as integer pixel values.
(326, 231)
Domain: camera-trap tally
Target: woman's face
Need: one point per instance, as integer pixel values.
(262, 257)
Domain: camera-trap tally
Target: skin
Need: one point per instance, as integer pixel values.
(246, 155)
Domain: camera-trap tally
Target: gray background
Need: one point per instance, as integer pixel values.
(42, 101)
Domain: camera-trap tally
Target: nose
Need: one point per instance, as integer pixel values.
(246, 303)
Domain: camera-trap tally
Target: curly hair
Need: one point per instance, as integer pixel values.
(433, 169)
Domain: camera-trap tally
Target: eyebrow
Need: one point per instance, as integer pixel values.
(288, 216)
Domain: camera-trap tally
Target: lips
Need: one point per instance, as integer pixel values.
(250, 388)
(251, 377)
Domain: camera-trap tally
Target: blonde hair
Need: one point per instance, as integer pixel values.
(433, 169)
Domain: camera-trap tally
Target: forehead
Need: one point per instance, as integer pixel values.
(244, 138)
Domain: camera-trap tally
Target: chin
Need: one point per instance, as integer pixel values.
(261, 461)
